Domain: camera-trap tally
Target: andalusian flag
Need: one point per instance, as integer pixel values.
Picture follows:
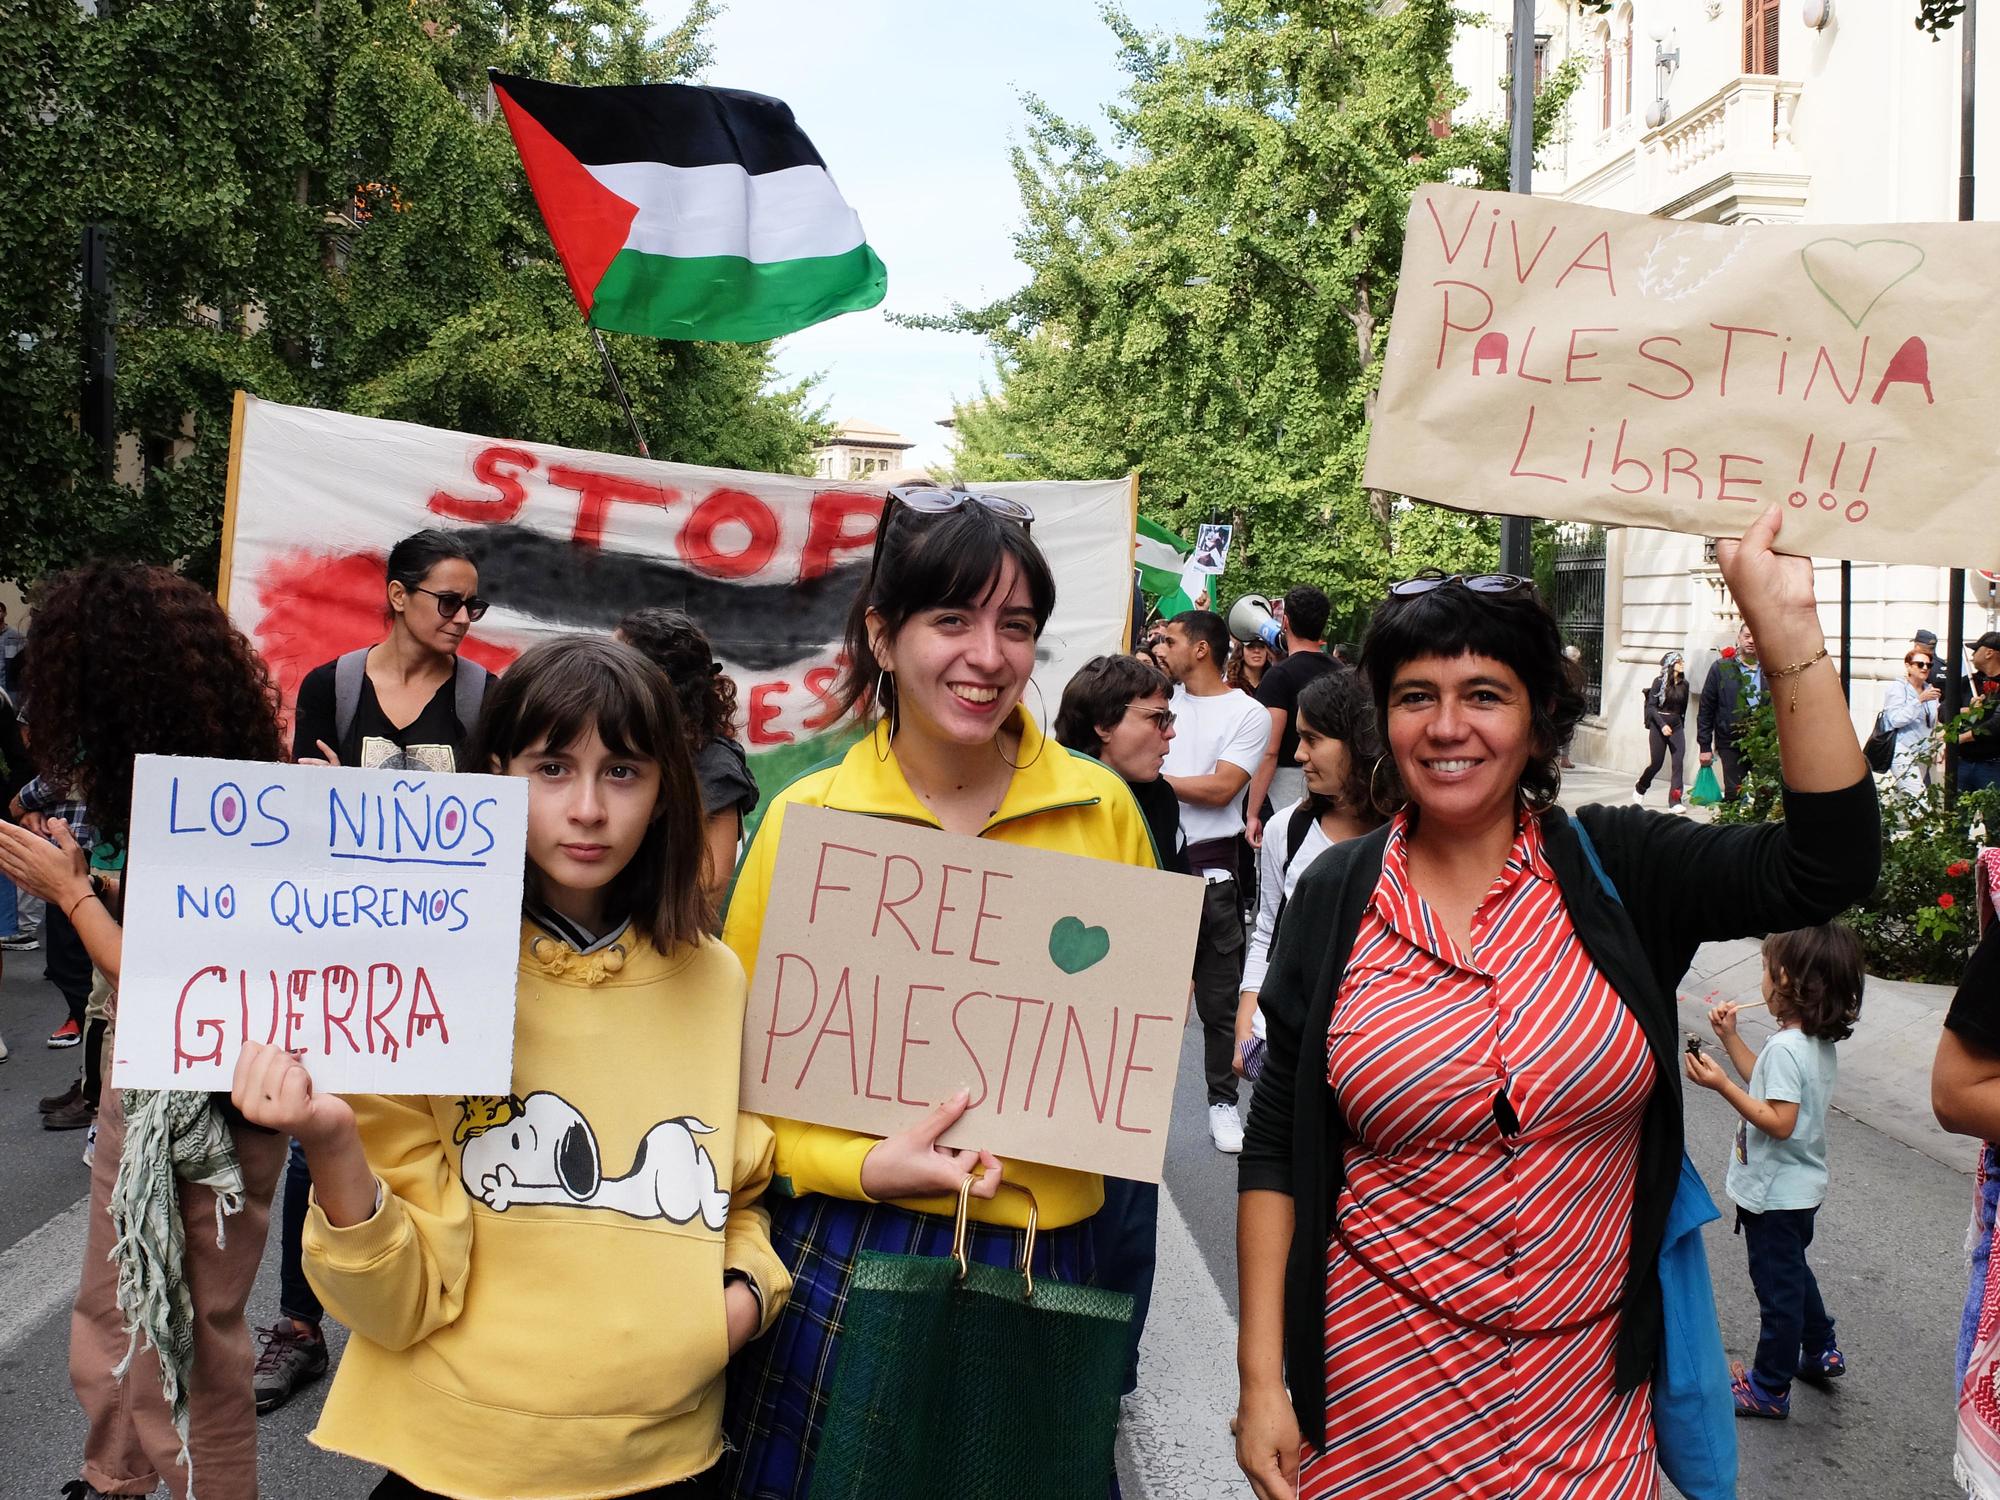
(1161, 558)
(689, 213)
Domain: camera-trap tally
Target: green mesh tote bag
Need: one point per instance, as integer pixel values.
(974, 1381)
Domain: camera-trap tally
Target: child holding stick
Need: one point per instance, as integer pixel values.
(1778, 1172)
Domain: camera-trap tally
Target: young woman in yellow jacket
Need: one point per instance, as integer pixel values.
(940, 646)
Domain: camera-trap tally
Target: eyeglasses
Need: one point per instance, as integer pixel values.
(1163, 718)
(1920, 661)
(1478, 583)
(450, 602)
(927, 500)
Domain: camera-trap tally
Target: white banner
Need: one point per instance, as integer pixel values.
(367, 920)
(570, 540)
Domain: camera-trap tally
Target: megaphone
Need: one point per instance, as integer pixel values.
(1250, 619)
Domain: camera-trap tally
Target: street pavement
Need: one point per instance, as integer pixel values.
(1889, 1255)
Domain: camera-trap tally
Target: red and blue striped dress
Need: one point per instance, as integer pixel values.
(1528, 1230)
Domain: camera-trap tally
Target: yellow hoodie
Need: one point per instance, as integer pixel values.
(537, 1303)
(1057, 800)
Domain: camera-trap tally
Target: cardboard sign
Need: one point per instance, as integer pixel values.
(568, 540)
(368, 920)
(900, 964)
(1553, 360)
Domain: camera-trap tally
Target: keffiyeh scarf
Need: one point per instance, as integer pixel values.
(171, 1136)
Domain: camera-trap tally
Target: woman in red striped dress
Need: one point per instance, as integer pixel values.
(1460, 1159)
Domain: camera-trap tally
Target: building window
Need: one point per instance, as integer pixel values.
(1760, 36)
(1541, 65)
(1628, 70)
(1604, 57)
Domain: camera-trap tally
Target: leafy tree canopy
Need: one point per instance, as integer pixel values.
(1210, 287)
(317, 201)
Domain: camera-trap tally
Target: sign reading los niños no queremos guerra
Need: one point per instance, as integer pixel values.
(1577, 364)
(368, 921)
(898, 965)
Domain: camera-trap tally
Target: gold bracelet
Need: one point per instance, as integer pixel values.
(1794, 670)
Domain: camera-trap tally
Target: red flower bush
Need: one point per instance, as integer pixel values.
(1958, 867)
(1947, 900)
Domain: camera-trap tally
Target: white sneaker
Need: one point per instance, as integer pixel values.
(1639, 797)
(1679, 808)
(90, 1144)
(3, 1049)
(1225, 1128)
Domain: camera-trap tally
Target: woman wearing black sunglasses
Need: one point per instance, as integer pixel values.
(1458, 1166)
(409, 701)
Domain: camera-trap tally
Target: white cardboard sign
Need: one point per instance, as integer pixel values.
(369, 921)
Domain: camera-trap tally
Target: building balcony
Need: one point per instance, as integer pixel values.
(1730, 158)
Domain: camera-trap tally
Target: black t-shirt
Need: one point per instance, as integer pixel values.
(1282, 684)
(1985, 742)
(724, 771)
(1975, 1009)
(433, 741)
(1162, 811)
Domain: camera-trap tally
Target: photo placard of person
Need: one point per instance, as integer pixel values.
(1577, 364)
(899, 965)
(367, 921)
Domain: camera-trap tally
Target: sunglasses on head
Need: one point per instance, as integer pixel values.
(1478, 583)
(450, 602)
(928, 500)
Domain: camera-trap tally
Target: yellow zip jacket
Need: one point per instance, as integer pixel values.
(1058, 800)
(537, 1303)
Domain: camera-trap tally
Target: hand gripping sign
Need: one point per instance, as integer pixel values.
(1572, 363)
(368, 921)
(899, 965)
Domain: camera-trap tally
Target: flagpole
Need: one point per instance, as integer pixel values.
(618, 390)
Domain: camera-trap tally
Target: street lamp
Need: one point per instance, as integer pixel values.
(1665, 64)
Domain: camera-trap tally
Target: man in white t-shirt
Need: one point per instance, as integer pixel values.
(1220, 734)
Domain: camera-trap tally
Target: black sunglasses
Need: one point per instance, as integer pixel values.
(928, 500)
(1478, 583)
(450, 602)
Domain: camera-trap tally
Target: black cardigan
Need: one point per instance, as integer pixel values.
(1683, 884)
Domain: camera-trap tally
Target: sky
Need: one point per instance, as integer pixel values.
(914, 104)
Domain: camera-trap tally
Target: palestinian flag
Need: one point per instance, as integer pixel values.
(689, 213)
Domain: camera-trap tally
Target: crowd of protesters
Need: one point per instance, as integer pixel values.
(1452, 1005)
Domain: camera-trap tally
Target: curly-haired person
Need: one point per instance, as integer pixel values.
(128, 661)
(675, 644)
(1777, 1172)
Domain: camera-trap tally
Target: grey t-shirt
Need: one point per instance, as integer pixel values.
(1766, 1173)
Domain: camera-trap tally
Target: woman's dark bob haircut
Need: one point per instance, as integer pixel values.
(948, 560)
(1515, 629)
(562, 690)
(1097, 697)
(411, 559)
(1336, 704)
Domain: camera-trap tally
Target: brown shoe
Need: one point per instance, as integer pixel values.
(71, 1116)
(63, 1100)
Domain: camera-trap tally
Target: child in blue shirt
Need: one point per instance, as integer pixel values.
(1777, 1174)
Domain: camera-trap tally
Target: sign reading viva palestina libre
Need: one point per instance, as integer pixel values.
(898, 965)
(1568, 362)
(368, 921)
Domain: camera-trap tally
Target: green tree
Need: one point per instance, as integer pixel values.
(1209, 295)
(317, 201)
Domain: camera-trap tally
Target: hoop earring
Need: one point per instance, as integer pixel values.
(1041, 703)
(889, 718)
(1382, 804)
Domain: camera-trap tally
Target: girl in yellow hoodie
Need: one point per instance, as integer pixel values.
(941, 644)
(544, 1288)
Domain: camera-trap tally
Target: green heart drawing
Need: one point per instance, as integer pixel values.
(1076, 947)
(1860, 277)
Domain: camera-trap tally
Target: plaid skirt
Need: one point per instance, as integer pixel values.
(779, 1385)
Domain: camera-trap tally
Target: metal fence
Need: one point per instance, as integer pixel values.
(1578, 601)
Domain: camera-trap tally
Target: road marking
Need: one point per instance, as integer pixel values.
(1174, 1440)
(39, 1273)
